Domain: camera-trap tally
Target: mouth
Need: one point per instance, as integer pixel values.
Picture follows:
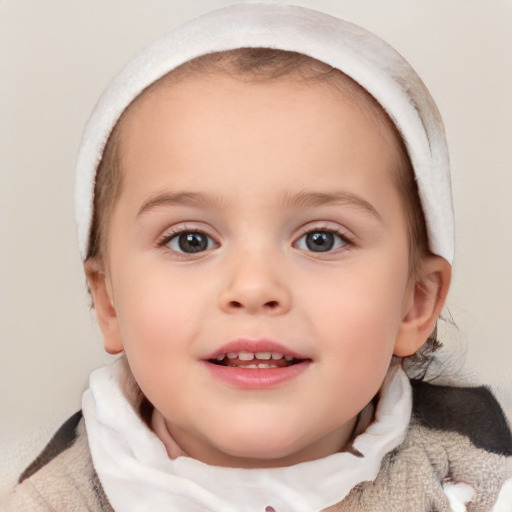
(256, 364)
(255, 360)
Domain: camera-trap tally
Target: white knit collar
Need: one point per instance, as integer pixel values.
(137, 474)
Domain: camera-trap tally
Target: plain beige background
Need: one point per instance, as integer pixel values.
(55, 58)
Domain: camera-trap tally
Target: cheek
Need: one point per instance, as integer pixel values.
(157, 325)
(359, 327)
(359, 314)
(371, 299)
(157, 312)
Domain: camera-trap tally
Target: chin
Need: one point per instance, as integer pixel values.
(263, 450)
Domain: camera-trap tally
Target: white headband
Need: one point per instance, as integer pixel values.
(364, 57)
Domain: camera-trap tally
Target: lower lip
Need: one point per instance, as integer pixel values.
(256, 378)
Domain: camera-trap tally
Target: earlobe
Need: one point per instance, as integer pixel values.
(101, 291)
(425, 305)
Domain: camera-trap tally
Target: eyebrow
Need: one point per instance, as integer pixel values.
(301, 199)
(311, 199)
(178, 198)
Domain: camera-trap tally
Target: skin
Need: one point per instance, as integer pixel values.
(255, 167)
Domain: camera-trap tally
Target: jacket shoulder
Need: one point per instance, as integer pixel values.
(62, 478)
(473, 412)
(62, 440)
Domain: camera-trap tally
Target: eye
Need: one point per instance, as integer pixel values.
(189, 242)
(321, 241)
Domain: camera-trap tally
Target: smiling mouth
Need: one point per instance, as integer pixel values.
(255, 360)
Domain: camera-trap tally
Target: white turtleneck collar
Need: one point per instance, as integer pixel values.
(137, 473)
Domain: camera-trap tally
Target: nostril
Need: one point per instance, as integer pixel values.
(253, 305)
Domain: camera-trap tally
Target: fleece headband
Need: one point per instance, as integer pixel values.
(364, 57)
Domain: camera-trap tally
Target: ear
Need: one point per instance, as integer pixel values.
(101, 291)
(425, 302)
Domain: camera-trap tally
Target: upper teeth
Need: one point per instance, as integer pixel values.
(249, 356)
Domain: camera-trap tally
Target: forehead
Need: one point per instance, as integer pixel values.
(244, 71)
(199, 131)
(268, 66)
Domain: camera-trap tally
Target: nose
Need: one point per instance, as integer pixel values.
(254, 285)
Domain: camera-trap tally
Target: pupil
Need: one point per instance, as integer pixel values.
(320, 241)
(193, 242)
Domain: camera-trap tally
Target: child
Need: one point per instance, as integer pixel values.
(264, 212)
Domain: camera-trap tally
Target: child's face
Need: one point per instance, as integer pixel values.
(297, 245)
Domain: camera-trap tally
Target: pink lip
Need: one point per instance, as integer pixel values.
(255, 378)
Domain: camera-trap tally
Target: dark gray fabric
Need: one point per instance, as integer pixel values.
(472, 412)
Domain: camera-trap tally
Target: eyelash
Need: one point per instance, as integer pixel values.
(346, 242)
(167, 238)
